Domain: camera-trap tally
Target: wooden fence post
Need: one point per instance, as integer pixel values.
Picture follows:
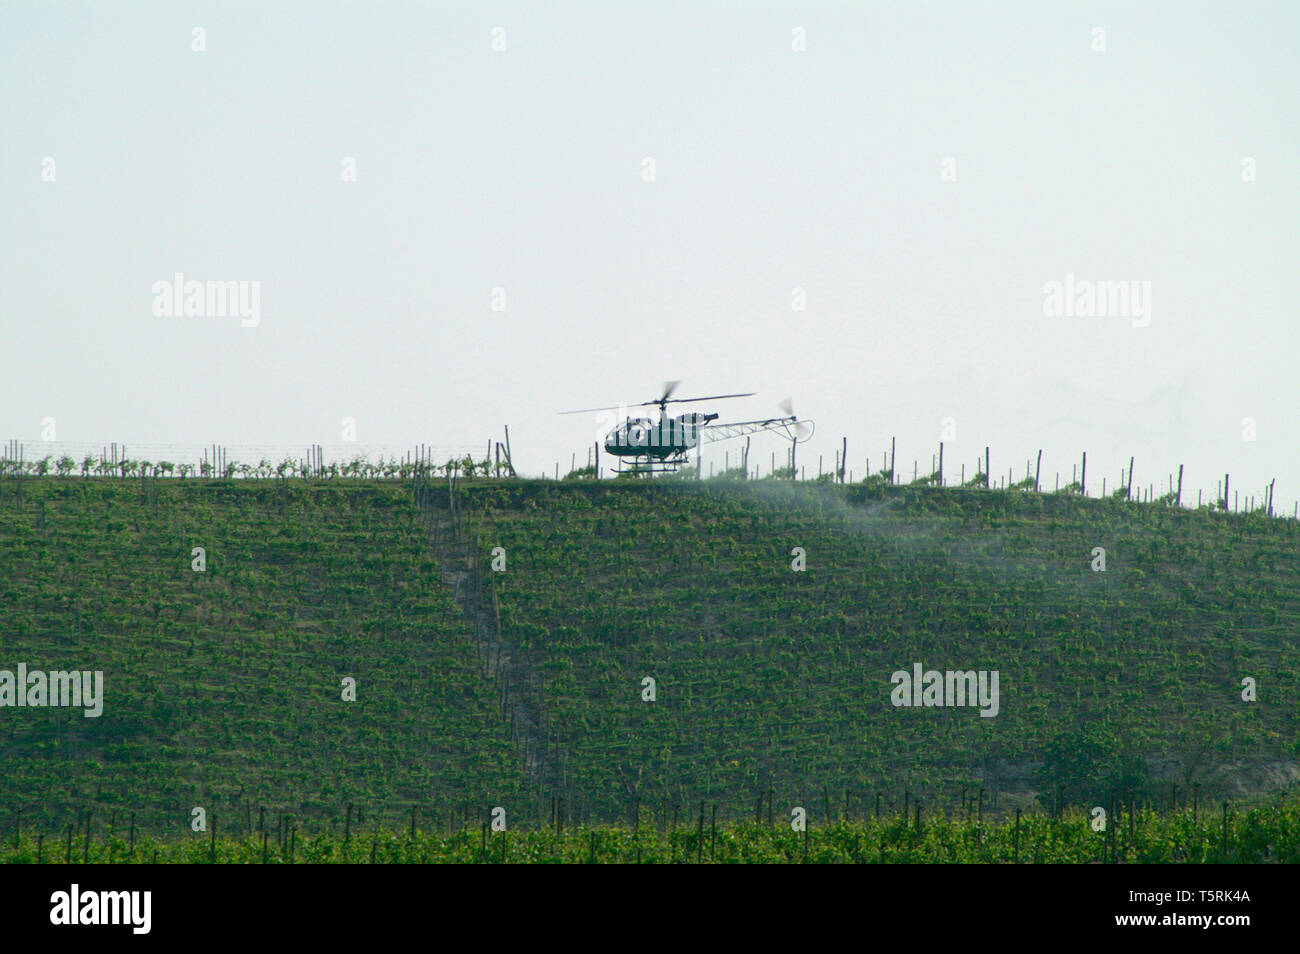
(699, 836)
(713, 837)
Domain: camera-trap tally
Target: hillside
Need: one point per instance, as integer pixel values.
(223, 688)
(773, 679)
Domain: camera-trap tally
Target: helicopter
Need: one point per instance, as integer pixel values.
(661, 445)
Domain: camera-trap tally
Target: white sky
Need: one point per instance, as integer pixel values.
(775, 169)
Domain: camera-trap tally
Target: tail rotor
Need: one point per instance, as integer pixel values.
(798, 430)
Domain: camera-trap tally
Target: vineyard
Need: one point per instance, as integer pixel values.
(229, 680)
(769, 678)
(590, 654)
(1267, 834)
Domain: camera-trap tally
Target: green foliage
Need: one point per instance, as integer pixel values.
(1084, 763)
(877, 482)
(782, 679)
(229, 681)
(223, 687)
(1261, 834)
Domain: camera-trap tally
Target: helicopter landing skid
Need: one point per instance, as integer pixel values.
(650, 465)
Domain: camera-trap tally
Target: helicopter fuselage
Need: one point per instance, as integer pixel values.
(659, 439)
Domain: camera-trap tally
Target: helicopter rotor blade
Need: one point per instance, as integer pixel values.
(588, 410)
(669, 388)
(711, 397)
(787, 405)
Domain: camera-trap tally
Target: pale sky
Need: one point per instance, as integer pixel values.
(1164, 150)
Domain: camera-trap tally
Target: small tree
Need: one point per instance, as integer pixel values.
(1084, 762)
(877, 481)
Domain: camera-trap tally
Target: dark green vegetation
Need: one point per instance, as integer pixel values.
(223, 687)
(1265, 834)
(1128, 679)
